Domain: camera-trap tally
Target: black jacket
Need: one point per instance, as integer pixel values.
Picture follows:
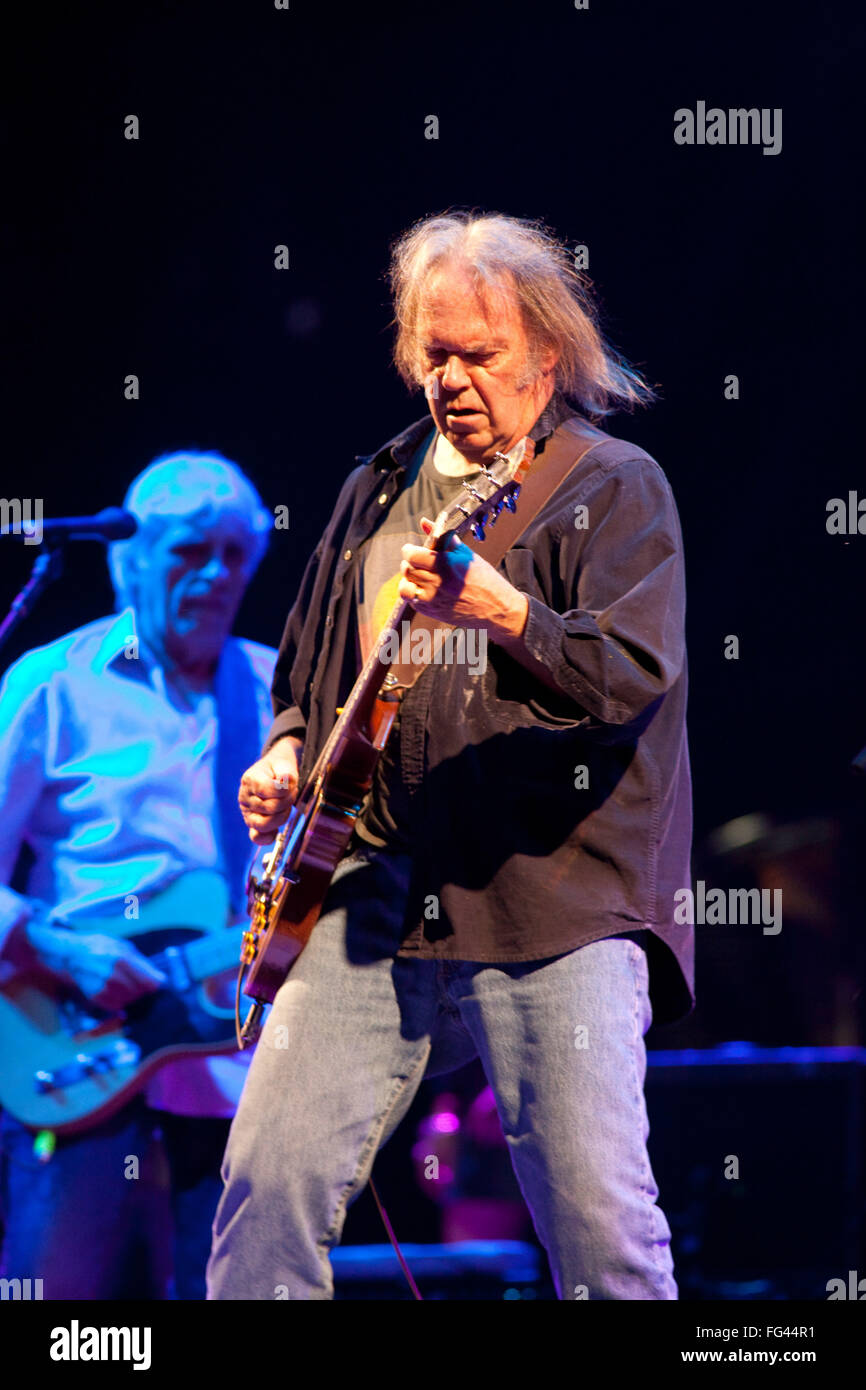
(528, 856)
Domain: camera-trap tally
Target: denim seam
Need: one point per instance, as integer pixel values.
(635, 954)
(372, 1142)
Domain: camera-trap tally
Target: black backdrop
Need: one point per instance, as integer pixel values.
(306, 127)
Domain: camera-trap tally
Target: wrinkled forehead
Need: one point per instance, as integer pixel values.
(214, 523)
(179, 489)
(454, 294)
(194, 499)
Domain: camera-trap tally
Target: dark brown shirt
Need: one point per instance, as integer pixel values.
(540, 819)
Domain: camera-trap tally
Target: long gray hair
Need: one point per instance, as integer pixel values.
(555, 299)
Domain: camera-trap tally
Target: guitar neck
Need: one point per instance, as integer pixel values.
(356, 712)
(358, 707)
(473, 509)
(202, 958)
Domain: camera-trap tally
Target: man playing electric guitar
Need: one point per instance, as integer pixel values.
(508, 891)
(120, 748)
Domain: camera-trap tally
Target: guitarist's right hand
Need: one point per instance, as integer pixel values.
(108, 971)
(268, 789)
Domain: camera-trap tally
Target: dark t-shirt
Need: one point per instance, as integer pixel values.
(383, 819)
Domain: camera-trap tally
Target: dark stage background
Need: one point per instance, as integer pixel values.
(306, 127)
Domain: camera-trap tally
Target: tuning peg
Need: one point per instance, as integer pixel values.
(511, 502)
(477, 527)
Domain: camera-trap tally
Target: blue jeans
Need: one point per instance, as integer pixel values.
(88, 1230)
(352, 1033)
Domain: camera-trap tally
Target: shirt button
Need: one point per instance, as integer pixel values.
(383, 498)
(347, 554)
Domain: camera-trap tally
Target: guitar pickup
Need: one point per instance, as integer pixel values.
(123, 1053)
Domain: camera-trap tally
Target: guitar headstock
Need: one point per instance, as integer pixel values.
(497, 486)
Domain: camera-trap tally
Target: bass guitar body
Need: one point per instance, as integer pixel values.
(67, 1064)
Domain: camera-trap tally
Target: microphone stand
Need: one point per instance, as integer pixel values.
(111, 524)
(47, 567)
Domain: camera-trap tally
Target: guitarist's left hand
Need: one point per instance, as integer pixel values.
(457, 586)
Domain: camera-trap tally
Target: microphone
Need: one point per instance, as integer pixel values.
(111, 524)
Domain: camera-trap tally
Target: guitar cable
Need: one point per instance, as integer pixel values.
(393, 1239)
(241, 973)
(248, 1032)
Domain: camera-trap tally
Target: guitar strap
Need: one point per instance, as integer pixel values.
(557, 456)
(238, 744)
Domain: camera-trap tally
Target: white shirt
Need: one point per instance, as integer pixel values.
(108, 776)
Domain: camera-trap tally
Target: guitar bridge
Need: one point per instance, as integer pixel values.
(122, 1053)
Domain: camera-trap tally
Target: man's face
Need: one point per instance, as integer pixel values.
(190, 582)
(474, 354)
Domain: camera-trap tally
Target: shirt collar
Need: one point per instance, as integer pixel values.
(551, 417)
(124, 649)
(118, 639)
(138, 662)
(399, 450)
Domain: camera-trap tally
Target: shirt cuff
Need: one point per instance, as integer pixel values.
(542, 637)
(288, 722)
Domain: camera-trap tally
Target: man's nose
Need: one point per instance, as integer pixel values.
(455, 376)
(216, 567)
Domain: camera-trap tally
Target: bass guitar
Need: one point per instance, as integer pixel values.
(68, 1065)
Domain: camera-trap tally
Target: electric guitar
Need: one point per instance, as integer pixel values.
(289, 880)
(66, 1064)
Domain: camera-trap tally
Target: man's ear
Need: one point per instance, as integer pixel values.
(548, 360)
(132, 567)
